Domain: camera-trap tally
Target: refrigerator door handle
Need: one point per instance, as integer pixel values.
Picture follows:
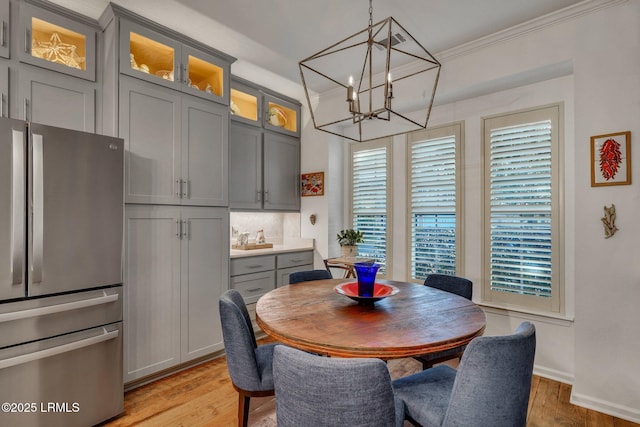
(18, 207)
(38, 208)
(59, 308)
(65, 348)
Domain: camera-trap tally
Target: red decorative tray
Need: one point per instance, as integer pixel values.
(380, 291)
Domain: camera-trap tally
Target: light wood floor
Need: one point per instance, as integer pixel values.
(203, 396)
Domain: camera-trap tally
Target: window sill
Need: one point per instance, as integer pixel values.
(557, 319)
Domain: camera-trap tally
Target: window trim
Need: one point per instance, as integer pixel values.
(457, 129)
(527, 303)
(386, 143)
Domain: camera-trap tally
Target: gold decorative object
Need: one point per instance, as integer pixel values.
(609, 221)
(312, 219)
(56, 51)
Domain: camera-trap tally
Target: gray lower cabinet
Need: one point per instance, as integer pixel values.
(264, 169)
(176, 268)
(55, 99)
(176, 146)
(254, 276)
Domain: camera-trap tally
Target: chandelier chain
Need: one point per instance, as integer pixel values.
(370, 13)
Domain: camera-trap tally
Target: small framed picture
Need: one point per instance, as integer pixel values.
(611, 159)
(312, 184)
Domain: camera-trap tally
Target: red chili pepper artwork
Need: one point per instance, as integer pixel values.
(610, 158)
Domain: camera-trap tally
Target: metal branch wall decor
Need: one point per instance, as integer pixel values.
(609, 221)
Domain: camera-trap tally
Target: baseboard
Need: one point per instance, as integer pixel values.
(609, 408)
(553, 374)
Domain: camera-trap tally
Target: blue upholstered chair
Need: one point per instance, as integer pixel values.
(455, 285)
(316, 391)
(250, 365)
(490, 388)
(305, 276)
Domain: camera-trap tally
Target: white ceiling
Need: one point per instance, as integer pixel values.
(275, 35)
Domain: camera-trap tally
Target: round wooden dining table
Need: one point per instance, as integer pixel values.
(314, 317)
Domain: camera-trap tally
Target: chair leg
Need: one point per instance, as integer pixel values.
(243, 409)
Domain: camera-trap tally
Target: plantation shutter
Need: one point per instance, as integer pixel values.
(369, 203)
(433, 207)
(521, 209)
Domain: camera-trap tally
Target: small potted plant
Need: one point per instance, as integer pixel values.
(348, 240)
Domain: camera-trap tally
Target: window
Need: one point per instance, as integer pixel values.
(371, 199)
(522, 210)
(434, 201)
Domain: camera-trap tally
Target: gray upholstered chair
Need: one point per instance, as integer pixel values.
(490, 388)
(315, 391)
(455, 285)
(250, 365)
(305, 276)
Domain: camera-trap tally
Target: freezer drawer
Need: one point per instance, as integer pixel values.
(39, 318)
(69, 380)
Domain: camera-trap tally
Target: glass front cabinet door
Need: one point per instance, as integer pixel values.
(281, 115)
(245, 104)
(58, 43)
(151, 56)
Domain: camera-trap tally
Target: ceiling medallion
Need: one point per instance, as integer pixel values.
(378, 82)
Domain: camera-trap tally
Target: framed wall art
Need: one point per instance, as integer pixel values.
(312, 184)
(611, 159)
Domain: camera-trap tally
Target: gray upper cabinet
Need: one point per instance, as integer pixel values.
(163, 59)
(245, 167)
(264, 155)
(57, 39)
(176, 146)
(56, 100)
(281, 166)
(4, 90)
(5, 29)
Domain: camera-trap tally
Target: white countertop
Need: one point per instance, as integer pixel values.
(289, 245)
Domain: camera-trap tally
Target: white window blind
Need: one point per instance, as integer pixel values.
(369, 202)
(521, 209)
(433, 206)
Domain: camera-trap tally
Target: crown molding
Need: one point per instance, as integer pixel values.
(536, 24)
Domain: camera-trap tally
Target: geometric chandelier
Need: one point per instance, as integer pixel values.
(378, 82)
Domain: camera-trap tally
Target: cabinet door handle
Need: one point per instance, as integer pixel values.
(186, 187)
(26, 110)
(178, 229)
(178, 188)
(2, 33)
(254, 289)
(2, 104)
(27, 40)
(266, 196)
(185, 230)
(255, 266)
(259, 193)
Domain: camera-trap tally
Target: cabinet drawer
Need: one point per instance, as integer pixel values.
(295, 258)
(253, 286)
(252, 264)
(283, 274)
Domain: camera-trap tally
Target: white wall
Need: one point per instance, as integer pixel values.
(591, 62)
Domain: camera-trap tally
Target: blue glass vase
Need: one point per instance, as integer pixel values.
(366, 273)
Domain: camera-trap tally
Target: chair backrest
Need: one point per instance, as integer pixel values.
(312, 390)
(344, 269)
(454, 284)
(239, 341)
(493, 381)
(305, 276)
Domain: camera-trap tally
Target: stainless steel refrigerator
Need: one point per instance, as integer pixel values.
(61, 231)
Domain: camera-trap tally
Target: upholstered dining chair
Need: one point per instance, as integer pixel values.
(455, 285)
(313, 390)
(250, 366)
(490, 388)
(305, 276)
